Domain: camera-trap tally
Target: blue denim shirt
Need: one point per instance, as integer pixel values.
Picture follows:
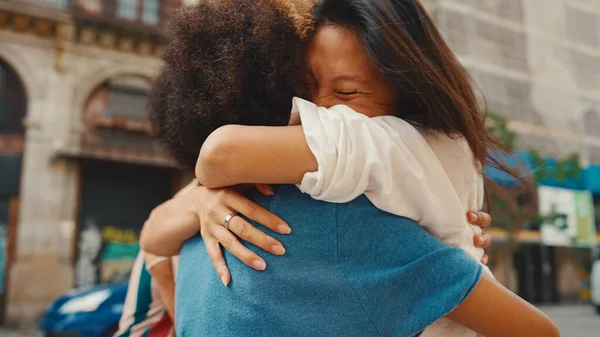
(349, 270)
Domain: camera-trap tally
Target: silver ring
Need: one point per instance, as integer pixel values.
(228, 218)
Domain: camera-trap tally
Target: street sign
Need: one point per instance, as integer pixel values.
(569, 218)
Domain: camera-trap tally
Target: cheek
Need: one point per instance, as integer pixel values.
(372, 109)
(326, 100)
(361, 105)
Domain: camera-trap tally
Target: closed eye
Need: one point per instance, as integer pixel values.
(347, 93)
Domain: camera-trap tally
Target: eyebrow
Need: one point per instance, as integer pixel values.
(348, 78)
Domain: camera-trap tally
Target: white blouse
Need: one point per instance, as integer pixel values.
(425, 176)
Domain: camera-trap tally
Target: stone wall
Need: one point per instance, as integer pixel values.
(43, 265)
(537, 63)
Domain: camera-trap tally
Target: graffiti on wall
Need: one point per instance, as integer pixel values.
(120, 251)
(88, 248)
(105, 255)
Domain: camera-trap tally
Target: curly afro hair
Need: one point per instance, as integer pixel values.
(227, 62)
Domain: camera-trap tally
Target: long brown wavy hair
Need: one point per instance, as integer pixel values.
(434, 90)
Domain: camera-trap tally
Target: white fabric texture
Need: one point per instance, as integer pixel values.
(425, 176)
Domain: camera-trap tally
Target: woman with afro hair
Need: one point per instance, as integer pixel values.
(228, 62)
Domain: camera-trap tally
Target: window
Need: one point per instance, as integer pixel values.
(13, 102)
(127, 9)
(146, 11)
(128, 102)
(150, 12)
(5, 117)
(58, 4)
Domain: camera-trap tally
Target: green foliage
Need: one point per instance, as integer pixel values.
(565, 169)
(498, 125)
(510, 209)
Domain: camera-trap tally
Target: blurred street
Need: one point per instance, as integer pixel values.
(575, 320)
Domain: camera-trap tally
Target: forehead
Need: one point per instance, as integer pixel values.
(335, 52)
(335, 41)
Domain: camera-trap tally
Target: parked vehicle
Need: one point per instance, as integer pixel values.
(91, 312)
(595, 285)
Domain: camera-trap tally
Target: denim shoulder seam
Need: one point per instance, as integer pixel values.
(344, 272)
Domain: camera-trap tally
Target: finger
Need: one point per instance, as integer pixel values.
(480, 219)
(216, 257)
(473, 218)
(479, 241)
(486, 220)
(230, 242)
(485, 259)
(257, 213)
(488, 240)
(482, 240)
(265, 189)
(245, 231)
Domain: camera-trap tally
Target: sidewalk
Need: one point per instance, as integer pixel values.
(575, 320)
(572, 320)
(18, 333)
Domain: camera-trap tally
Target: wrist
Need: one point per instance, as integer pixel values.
(160, 269)
(155, 262)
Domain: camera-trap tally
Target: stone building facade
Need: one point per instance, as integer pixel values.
(84, 68)
(73, 74)
(537, 62)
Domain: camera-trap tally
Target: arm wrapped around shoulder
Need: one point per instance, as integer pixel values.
(413, 279)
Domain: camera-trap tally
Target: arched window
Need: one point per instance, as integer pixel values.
(120, 97)
(13, 101)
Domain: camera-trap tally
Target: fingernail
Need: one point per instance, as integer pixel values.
(224, 280)
(278, 249)
(474, 217)
(480, 240)
(259, 265)
(284, 229)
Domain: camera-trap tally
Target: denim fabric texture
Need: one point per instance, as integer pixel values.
(349, 270)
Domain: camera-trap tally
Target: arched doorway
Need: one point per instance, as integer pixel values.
(121, 179)
(13, 108)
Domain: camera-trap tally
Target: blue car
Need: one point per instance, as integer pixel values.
(91, 312)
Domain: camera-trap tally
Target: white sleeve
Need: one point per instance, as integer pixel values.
(360, 155)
